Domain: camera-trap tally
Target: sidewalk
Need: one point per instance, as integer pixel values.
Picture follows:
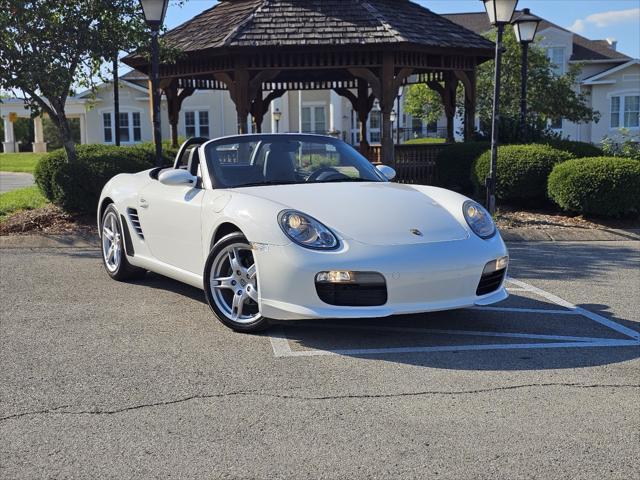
(13, 181)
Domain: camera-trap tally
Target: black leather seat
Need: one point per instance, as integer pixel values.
(278, 164)
(194, 161)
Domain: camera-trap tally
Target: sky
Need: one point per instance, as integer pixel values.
(595, 19)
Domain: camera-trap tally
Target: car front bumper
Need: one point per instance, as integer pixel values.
(419, 278)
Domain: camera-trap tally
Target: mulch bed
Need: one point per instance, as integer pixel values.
(508, 217)
(48, 220)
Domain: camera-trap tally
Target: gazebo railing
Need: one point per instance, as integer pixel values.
(414, 164)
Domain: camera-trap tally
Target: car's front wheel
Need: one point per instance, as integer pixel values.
(231, 284)
(113, 252)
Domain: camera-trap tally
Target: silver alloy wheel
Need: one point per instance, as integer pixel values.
(234, 283)
(111, 242)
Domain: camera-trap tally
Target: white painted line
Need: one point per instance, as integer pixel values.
(513, 289)
(581, 311)
(460, 348)
(527, 310)
(280, 344)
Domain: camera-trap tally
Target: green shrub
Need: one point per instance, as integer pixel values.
(454, 165)
(607, 186)
(523, 171)
(76, 187)
(577, 149)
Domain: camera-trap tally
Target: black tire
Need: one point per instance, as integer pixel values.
(121, 270)
(257, 323)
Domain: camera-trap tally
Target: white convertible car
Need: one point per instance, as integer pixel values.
(296, 226)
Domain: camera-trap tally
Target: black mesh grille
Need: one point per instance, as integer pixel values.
(352, 294)
(490, 282)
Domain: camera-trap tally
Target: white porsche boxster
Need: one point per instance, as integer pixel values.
(294, 226)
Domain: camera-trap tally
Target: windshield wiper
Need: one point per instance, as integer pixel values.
(344, 180)
(264, 184)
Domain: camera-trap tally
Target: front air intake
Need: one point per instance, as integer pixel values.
(135, 221)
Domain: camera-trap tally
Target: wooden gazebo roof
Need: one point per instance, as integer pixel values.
(251, 46)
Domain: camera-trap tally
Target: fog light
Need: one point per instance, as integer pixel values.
(334, 276)
(495, 265)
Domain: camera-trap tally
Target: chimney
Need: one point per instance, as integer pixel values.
(613, 43)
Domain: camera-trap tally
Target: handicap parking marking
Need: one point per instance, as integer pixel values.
(282, 348)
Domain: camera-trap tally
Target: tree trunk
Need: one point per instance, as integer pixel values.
(65, 135)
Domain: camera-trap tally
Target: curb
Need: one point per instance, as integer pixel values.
(509, 235)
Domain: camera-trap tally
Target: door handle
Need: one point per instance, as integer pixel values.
(143, 203)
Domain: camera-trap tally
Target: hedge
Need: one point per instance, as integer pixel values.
(523, 171)
(607, 186)
(454, 165)
(76, 187)
(577, 149)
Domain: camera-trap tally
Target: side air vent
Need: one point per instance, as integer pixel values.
(135, 221)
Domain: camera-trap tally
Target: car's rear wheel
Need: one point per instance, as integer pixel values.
(231, 284)
(113, 252)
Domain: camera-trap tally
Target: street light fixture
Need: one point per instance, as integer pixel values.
(525, 26)
(277, 116)
(500, 13)
(154, 13)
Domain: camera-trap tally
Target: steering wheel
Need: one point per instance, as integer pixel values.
(324, 174)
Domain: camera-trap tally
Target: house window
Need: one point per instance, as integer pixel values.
(106, 125)
(557, 57)
(124, 128)
(314, 119)
(615, 112)
(625, 111)
(632, 111)
(556, 123)
(130, 127)
(196, 123)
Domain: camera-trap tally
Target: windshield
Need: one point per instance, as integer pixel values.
(255, 160)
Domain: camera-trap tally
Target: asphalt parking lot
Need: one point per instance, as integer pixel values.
(100, 379)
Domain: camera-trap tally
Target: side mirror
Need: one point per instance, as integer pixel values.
(387, 171)
(177, 177)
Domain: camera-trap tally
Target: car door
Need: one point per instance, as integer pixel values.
(170, 217)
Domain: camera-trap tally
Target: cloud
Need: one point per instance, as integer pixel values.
(606, 19)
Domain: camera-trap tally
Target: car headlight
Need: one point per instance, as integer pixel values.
(479, 219)
(306, 231)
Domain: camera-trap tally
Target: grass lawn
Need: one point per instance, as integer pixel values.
(22, 199)
(19, 162)
(423, 141)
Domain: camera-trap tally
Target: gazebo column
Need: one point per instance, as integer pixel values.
(362, 103)
(468, 79)
(260, 106)
(385, 88)
(447, 93)
(175, 98)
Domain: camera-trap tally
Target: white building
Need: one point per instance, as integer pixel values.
(609, 77)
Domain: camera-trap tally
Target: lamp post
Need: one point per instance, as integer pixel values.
(525, 27)
(392, 118)
(400, 93)
(277, 116)
(154, 13)
(500, 13)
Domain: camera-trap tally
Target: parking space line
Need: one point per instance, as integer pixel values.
(581, 311)
(459, 348)
(282, 348)
(528, 310)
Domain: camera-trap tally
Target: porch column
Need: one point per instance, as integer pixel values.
(39, 145)
(335, 114)
(9, 144)
(83, 128)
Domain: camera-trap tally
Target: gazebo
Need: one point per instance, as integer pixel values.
(362, 49)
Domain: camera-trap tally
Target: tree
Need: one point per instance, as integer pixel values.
(550, 96)
(49, 48)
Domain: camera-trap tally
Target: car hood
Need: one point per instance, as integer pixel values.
(371, 213)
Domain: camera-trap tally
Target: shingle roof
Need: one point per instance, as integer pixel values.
(583, 48)
(246, 23)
